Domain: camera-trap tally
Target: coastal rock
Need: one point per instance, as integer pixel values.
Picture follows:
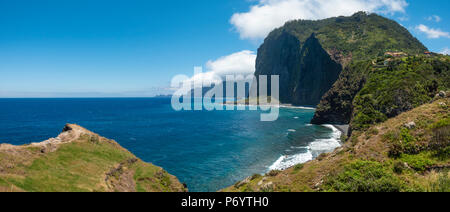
(242, 183)
(442, 94)
(262, 181)
(267, 187)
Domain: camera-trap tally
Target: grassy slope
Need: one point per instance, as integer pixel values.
(386, 157)
(368, 92)
(86, 163)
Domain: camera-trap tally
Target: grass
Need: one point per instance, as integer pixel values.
(364, 176)
(78, 166)
(419, 162)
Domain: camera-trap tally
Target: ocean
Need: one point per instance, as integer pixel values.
(207, 150)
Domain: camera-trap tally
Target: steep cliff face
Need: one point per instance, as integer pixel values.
(309, 55)
(280, 56)
(306, 70)
(318, 74)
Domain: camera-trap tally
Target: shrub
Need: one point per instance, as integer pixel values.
(403, 143)
(399, 167)
(255, 176)
(441, 142)
(298, 167)
(441, 123)
(273, 173)
(443, 154)
(418, 162)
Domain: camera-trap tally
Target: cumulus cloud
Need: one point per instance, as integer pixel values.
(445, 51)
(239, 63)
(242, 62)
(434, 18)
(267, 15)
(432, 33)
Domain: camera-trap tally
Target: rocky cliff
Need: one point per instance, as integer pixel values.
(79, 160)
(310, 55)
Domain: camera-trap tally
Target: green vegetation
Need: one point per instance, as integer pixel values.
(298, 167)
(418, 162)
(364, 176)
(401, 86)
(442, 184)
(370, 92)
(361, 36)
(309, 56)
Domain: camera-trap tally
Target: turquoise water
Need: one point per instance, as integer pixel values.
(208, 150)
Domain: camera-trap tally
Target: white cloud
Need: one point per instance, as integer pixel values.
(432, 33)
(239, 63)
(270, 14)
(446, 51)
(434, 18)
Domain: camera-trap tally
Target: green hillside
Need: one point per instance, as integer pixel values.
(408, 153)
(370, 92)
(309, 56)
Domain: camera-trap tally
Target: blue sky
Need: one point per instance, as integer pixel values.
(55, 48)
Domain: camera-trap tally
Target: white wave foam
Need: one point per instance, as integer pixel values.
(297, 107)
(285, 162)
(315, 148)
(292, 130)
(320, 146)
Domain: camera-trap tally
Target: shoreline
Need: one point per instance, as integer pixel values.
(269, 105)
(314, 148)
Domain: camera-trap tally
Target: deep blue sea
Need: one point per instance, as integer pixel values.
(208, 150)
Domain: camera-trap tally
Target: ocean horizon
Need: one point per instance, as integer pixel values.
(208, 150)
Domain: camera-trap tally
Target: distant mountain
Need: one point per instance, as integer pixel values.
(309, 56)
